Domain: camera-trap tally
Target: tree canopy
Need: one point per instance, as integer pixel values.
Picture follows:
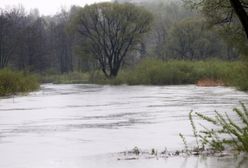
(111, 31)
(224, 11)
(43, 44)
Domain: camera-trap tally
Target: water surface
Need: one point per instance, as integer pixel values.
(83, 126)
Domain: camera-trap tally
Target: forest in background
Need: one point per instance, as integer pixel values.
(47, 45)
(42, 44)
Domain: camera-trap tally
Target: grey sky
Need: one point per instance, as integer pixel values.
(46, 7)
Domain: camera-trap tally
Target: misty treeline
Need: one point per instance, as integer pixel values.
(35, 43)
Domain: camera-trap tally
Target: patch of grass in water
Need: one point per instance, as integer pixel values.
(13, 82)
(226, 133)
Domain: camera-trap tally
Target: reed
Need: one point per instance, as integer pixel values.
(226, 132)
(13, 82)
(179, 72)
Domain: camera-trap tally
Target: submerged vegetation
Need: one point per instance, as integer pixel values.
(228, 131)
(13, 82)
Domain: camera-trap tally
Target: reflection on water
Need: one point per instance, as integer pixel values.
(237, 161)
(240, 161)
(75, 126)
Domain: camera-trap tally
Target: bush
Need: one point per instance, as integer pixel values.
(239, 77)
(226, 132)
(12, 82)
(157, 72)
(67, 78)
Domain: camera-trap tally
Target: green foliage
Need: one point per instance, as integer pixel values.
(238, 77)
(190, 39)
(184, 142)
(12, 82)
(194, 128)
(157, 72)
(111, 31)
(222, 16)
(162, 73)
(67, 78)
(226, 131)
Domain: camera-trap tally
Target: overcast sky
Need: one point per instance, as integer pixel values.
(46, 7)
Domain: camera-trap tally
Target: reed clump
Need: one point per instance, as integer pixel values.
(13, 82)
(228, 131)
(179, 72)
(66, 78)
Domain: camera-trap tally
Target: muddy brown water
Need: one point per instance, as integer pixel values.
(85, 126)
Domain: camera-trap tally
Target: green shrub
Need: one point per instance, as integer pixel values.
(176, 72)
(226, 132)
(12, 82)
(67, 78)
(238, 77)
(157, 72)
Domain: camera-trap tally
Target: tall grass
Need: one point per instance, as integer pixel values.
(227, 131)
(238, 77)
(157, 72)
(12, 82)
(67, 78)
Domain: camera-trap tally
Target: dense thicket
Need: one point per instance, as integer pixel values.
(177, 72)
(12, 82)
(41, 44)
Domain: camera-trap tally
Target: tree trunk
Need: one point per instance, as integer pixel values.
(242, 15)
(114, 73)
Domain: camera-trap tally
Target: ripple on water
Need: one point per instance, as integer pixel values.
(79, 125)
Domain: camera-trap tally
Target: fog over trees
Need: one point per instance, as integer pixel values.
(35, 43)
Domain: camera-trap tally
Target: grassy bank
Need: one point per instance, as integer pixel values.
(13, 82)
(156, 72)
(67, 78)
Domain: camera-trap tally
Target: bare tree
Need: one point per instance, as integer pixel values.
(9, 33)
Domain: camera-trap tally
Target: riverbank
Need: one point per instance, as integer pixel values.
(157, 72)
(13, 82)
(67, 78)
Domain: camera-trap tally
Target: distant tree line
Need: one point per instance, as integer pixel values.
(230, 17)
(33, 43)
(181, 33)
(107, 36)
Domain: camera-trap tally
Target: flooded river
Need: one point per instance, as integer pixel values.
(84, 126)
